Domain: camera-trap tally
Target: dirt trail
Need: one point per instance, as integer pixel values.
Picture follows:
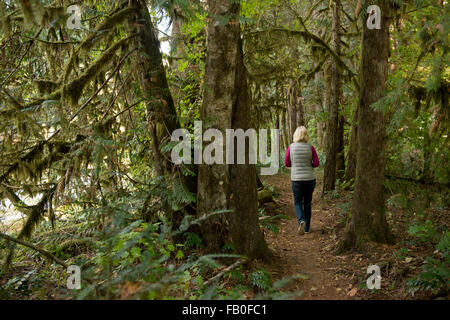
(310, 254)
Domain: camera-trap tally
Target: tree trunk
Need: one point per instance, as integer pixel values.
(300, 108)
(280, 118)
(368, 222)
(225, 103)
(340, 157)
(292, 110)
(288, 136)
(326, 99)
(284, 132)
(352, 149)
(329, 177)
(295, 106)
(297, 101)
(177, 45)
(319, 108)
(161, 114)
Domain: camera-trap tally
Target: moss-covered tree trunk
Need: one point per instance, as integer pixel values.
(292, 110)
(295, 107)
(226, 106)
(331, 149)
(350, 173)
(340, 156)
(368, 222)
(318, 78)
(161, 114)
(284, 130)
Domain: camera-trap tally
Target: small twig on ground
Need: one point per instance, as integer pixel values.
(221, 273)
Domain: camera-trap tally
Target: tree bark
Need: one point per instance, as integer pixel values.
(368, 222)
(295, 107)
(329, 177)
(226, 106)
(300, 108)
(161, 113)
(340, 156)
(288, 136)
(319, 108)
(292, 110)
(350, 173)
(284, 131)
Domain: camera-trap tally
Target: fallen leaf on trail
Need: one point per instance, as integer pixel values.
(408, 259)
(352, 292)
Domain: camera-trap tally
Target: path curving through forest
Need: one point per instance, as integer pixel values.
(310, 254)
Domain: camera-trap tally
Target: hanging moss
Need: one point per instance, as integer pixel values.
(99, 32)
(55, 15)
(37, 167)
(5, 23)
(35, 14)
(69, 65)
(103, 29)
(105, 127)
(74, 89)
(33, 11)
(36, 216)
(46, 87)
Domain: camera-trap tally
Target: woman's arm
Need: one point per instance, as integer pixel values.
(315, 158)
(287, 158)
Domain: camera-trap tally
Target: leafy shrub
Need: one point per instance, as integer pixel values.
(425, 231)
(260, 279)
(435, 275)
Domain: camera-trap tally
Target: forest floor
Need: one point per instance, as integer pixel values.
(328, 275)
(311, 258)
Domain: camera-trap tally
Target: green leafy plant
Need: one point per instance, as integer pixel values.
(435, 274)
(260, 279)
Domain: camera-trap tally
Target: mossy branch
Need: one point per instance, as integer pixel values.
(36, 215)
(15, 200)
(316, 69)
(310, 36)
(100, 31)
(36, 248)
(75, 88)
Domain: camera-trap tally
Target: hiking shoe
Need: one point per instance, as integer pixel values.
(301, 228)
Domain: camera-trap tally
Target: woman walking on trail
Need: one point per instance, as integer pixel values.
(301, 157)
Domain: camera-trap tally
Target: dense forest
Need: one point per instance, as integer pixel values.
(93, 205)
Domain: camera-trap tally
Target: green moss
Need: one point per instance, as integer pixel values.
(46, 87)
(74, 89)
(53, 14)
(103, 29)
(33, 12)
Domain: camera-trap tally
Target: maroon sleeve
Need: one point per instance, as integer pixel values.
(315, 158)
(287, 158)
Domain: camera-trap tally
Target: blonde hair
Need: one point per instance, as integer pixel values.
(301, 135)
